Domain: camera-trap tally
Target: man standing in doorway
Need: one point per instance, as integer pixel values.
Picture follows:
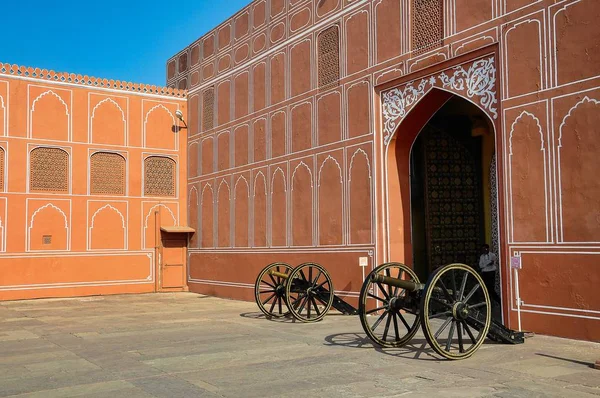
(487, 265)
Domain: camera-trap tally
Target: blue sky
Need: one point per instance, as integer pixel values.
(127, 40)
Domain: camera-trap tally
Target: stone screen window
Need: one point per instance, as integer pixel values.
(208, 109)
(2, 157)
(48, 170)
(159, 176)
(329, 56)
(427, 24)
(107, 174)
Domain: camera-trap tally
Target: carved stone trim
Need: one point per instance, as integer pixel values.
(475, 80)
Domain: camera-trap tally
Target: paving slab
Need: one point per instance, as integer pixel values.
(188, 345)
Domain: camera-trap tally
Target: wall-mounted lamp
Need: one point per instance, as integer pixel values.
(179, 115)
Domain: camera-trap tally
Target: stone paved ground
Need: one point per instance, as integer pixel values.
(186, 345)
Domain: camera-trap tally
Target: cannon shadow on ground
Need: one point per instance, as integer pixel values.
(260, 315)
(416, 349)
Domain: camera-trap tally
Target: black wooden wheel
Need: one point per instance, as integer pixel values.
(455, 311)
(309, 292)
(269, 290)
(394, 319)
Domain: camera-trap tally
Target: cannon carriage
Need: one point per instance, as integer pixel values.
(305, 292)
(453, 308)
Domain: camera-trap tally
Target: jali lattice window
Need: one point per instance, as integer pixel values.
(107, 174)
(427, 24)
(329, 56)
(208, 109)
(159, 176)
(49, 170)
(2, 169)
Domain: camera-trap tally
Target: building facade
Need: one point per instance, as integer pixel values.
(90, 169)
(356, 132)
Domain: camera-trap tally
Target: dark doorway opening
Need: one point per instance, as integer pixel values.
(452, 188)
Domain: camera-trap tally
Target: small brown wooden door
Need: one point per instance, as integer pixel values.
(173, 262)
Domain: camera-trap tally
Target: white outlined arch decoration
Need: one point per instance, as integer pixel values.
(4, 125)
(475, 80)
(584, 101)
(522, 116)
(108, 207)
(2, 248)
(35, 213)
(35, 101)
(108, 101)
(150, 212)
(327, 159)
(162, 107)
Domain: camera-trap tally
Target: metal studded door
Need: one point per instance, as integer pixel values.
(453, 208)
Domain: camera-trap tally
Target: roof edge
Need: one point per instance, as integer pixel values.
(89, 81)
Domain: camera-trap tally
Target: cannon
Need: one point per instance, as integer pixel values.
(453, 309)
(305, 292)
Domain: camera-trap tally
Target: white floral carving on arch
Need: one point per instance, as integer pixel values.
(476, 80)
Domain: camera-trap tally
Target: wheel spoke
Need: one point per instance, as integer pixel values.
(396, 326)
(300, 296)
(441, 314)
(315, 304)
(446, 292)
(469, 332)
(443, 327)
(450, 335)
(303, 276)
(308, 301)
(269, 298)
(437, 300)
(461, 348)
(321, 285)
(387, 326)
(387, 296)
(310, 274)
(280, 306)
(273, 279)
(463, 285)
(471, 293)
(266, 291)
(272, 305)
(314, 282)
(406, 325)
(268, 284)
(389, 274)
(379, 320)
(400, 272)
(375, 297)
(303, 304)
(478, 305)
(374, 310)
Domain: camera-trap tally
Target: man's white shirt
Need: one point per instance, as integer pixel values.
(485, 260)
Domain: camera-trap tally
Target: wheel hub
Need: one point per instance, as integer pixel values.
(280, 290)
(460, 311)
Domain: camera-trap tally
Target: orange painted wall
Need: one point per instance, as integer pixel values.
(78, 218)
(283, 169)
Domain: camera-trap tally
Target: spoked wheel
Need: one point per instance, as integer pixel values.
(455, 311)
(309, 292)
(393, 321)
(269, 290)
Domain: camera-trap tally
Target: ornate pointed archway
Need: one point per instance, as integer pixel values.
(406, 107)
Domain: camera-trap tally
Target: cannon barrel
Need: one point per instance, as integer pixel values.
(279, 274)
(401, 283)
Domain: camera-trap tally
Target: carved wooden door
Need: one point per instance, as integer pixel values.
(453, 208)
